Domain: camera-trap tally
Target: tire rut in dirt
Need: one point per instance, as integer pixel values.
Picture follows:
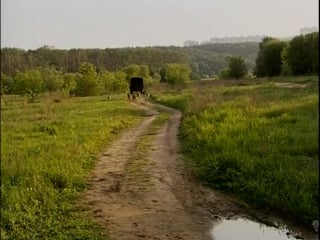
(108, 175)
(147, 193)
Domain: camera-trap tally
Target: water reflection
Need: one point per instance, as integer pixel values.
(245, 229)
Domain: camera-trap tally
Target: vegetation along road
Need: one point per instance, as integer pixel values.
(68, 163)
(142, 189)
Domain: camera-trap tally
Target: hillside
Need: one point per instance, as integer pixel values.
(204, 59)
(209, 59)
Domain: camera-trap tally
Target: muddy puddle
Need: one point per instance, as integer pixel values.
(241, 228)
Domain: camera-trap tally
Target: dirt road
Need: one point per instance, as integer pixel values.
(140, 189)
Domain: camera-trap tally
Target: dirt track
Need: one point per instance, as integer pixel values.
(140, 189)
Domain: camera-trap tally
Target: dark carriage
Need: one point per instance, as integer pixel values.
(136, 87)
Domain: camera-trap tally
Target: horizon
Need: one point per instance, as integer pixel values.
(83, 24)
(204, 42)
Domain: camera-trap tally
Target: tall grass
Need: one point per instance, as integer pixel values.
(257, 141)
(48, 148)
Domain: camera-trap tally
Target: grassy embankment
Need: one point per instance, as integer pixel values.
(47, 150)
(255, 140)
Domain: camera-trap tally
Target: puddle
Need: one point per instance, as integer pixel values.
(246, 229)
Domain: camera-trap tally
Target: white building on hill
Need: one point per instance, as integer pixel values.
(307, 30)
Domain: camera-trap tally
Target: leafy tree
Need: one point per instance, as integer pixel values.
(135, 70)
(106, 78)
(285, 67)
(312, 43)
(224, 73)
(87, 81)
(113, 81)
(7, 84)
(237, 67)
(13, 59)
(69, 83)
(269, 60)
(29, 82)
(52, 79)
(157, 77)
(303, 54)
(297, 55)
(272, 57)
(177, 73)
(144, 71)
(120, 84)
(162, 74)
(259, 68)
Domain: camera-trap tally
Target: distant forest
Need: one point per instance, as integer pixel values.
(204, 60)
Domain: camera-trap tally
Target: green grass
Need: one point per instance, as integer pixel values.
(136, 168)
(47, 151)
(257, 141)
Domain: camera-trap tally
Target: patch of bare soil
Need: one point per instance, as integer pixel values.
(146, 193)
(290, 85)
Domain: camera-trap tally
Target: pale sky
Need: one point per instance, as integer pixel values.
(66, 24)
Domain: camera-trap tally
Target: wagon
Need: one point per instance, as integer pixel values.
(135, 87)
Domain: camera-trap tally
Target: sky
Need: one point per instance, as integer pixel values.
(66, 24)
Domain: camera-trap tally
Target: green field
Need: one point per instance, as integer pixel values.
(255, 139)
(47, 150)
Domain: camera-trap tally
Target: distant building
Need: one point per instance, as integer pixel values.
(237, 39)
(243, 39)
(204, 42)
(48, 47)
(190, 43)
(307, 30)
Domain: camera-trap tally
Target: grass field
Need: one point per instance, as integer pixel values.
(47, 150)
(256, 139)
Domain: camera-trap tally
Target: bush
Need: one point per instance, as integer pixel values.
(87, 81)
(237, 67)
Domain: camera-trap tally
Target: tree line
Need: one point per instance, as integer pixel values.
(87, 81)
(69, 61)
(204, 60)
(208, 60)
(83, 72)
(299, 56)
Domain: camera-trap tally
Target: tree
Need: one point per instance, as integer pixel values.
(52, 79)
(162, 74)
(269, 60)
(29, 82)
(156, 77)
(135, 70)
(312, 45)
(224, 73)
(113, 81)
(303, 54)
(285, 67)
(272, 57)
(87, 81)
(132, 71)
(7, 84)
(237, 67)
(297, 55)
(259, 70)
(120, 84)
(69, 83)
(177, 73)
